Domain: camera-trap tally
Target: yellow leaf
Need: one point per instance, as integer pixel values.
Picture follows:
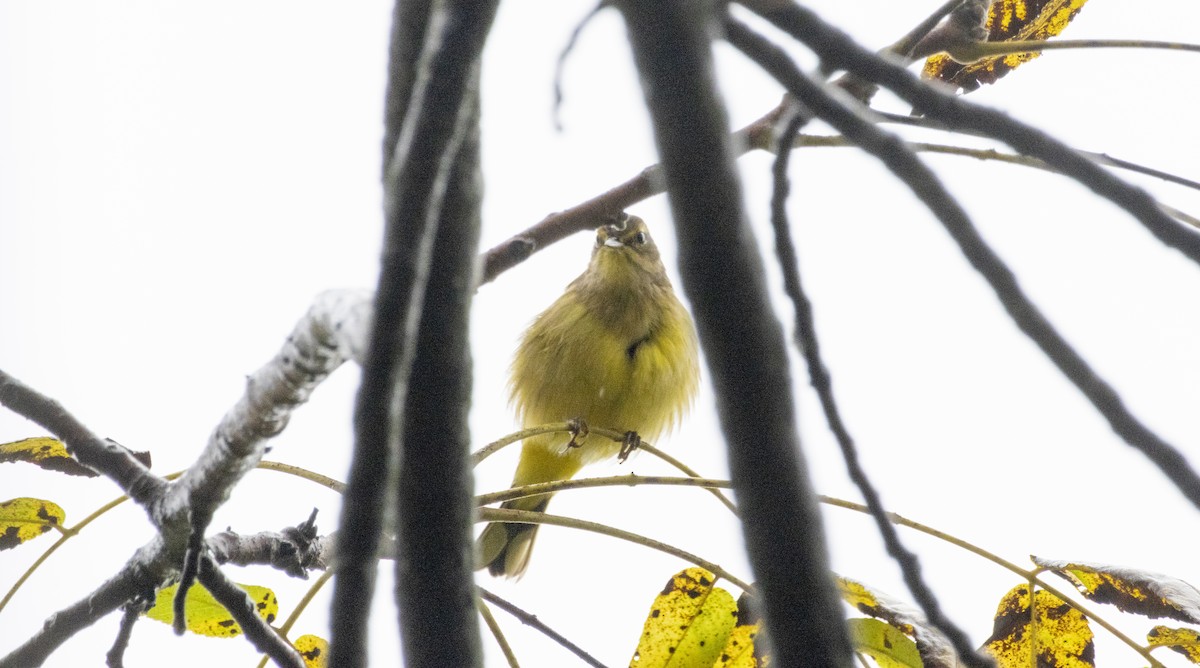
(688, 624)
(205, 616)
(48, 453)
(1063, 637)
(314, 650)
(1184, 641)
(739, 649)
(1008, 20)
(1130, 589)
(885, 643)
(934, 648)
(24, 519)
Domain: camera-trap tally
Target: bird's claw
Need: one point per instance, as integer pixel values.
(579, 432)
(630, 443)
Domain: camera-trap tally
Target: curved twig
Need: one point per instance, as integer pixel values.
(531, 517)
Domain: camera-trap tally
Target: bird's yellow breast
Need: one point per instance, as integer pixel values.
(629, 374)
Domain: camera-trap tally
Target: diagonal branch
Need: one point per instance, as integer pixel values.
(132, 581)
(743, 343)
(837, 47)
(102, 455)
(242, 609)
(816, 101)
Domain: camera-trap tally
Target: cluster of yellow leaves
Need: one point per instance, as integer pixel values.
(694, 624)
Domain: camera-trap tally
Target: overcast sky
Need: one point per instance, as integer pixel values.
(178, 180)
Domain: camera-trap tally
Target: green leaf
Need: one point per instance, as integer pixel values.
(885, 643)
(935, 649)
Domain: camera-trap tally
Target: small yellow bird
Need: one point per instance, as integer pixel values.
(616, 350)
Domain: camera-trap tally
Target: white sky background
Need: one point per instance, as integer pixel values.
(177, 181)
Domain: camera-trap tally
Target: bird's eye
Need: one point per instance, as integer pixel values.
(639, 238)
(599, 238)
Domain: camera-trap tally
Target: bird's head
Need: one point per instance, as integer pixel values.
(625, 251)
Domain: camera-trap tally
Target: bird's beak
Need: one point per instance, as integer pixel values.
(613, 242)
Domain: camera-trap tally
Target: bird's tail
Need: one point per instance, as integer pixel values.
(504, 547)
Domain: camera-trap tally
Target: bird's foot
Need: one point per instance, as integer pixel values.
(630, 443)
(579, 432)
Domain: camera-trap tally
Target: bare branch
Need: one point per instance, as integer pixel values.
(132, 581)
(115, 658)
(295, 550)
(830, 43)
(435, 558)
(957, 113)
(532, 620)
(417, 172)
(242, 609)
(743, 343)
(100, 454)
(589, 215)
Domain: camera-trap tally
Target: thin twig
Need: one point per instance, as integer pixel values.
(498, 634)
(532, 620)
(614, 434)
(833, 141)
(531, 517)
(628, 480)
(1098, 158)
(115, 658)
(974, 51)
(561, 61)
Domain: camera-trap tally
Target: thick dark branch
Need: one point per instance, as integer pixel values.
(435, 510)
(724, 278)
(132, 582)
(243, 610)
(410, 23)
(815, 100)
(102, 455)
(414, 184)
(835, 46)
